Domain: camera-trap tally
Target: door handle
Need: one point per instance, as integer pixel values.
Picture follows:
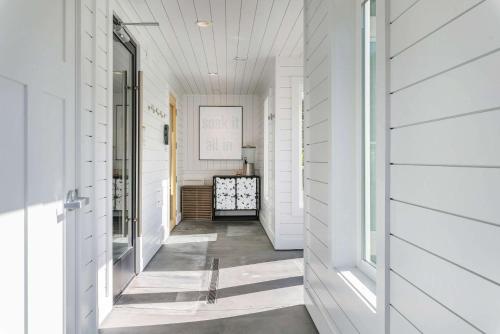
(74, 202)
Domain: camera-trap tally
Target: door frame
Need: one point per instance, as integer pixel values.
(133, 47)
(173, 161)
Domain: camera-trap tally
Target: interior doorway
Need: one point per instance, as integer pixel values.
(173, 162)
(125, 143)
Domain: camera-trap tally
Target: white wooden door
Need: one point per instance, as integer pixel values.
(37, 165)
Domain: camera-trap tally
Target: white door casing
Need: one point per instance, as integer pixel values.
(37, 168)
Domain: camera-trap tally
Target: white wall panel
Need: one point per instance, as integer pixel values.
(463, 141)
(401, 325)
(470, 88)
(288, 228)
(478, 301)
(425, 313)
(462, 40)
(410, 28)
(95, 175)
(399, 7)
(444, 220)
(468, 192)
(452, 237)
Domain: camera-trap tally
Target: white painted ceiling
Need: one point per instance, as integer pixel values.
(254, 29)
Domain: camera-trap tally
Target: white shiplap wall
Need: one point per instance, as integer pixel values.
(330, 188)
(94, 221)
(192, 167)
(289, 227)
(445, 173)
(317, 163)
(267, 214)
(95, 248)
(444, 169)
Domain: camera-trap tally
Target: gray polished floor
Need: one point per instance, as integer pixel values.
(215, 277)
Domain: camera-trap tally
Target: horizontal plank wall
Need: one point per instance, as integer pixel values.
(289, 225)
(95, 175)
(319, 301)
(333, 280)
(196, 169)
(445, 173)
(267, 125)
(95, 233)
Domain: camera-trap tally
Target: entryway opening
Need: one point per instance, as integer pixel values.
(125, 143)
(173, 161)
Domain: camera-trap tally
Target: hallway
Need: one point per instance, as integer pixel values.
(255, 289)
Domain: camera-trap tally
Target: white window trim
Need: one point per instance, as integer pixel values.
(364, 266)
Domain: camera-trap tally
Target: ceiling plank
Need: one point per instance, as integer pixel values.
(176, 28)
(171, 38)
(263, 13)
(298, 50)
(277, 16)
(234, 12)
(293, 36)
(144, 14)
(218, 14)
(246, 29)
(281, 31)
(257, 30)
(126, 13)
(189, 17)
(204, 12)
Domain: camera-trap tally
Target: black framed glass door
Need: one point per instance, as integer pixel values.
(124, 162)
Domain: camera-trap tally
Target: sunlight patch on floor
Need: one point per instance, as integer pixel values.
(260, 272)
(189, 238)
(183, 312)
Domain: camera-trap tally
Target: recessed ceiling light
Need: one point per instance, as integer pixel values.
(239, 58)
(203, 23)
(213, 74)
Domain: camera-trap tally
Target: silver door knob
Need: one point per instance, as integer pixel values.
(74, 202)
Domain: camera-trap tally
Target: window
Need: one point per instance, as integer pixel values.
(368, 38)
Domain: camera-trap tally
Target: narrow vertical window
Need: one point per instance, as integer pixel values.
(301, 146)
(266, 148)
(368, 126)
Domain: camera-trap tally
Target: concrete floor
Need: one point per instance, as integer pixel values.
(258, 289)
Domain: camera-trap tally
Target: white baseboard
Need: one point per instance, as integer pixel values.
(269, 233)
(285, 242)
(317, 316)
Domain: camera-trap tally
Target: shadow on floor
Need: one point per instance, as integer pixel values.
(236, 244)
(191, 296)
(253, 288)
(289, 320)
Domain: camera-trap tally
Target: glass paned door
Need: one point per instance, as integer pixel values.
(124, 163)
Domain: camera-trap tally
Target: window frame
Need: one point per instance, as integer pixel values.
(366, 267)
